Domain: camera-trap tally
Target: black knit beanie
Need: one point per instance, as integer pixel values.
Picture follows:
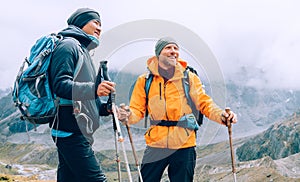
(162, 42)
(82, 16)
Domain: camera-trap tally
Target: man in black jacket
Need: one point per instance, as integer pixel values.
(72, 78)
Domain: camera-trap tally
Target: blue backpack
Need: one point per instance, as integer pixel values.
(32, 94)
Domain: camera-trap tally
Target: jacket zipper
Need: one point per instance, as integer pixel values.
(165, 84)
(160, 90)
(187, 133)
(165, 101)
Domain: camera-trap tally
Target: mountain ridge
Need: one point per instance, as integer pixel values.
(259, 111)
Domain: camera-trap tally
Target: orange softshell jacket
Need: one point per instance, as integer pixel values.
(167, 101)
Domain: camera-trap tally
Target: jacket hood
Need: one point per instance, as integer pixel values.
(152, 64)
(80, 35)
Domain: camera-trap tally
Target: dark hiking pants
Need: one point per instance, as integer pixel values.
(181, 164)
(77, 162)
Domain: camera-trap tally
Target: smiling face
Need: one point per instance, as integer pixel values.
(93, 27)
(168, 56)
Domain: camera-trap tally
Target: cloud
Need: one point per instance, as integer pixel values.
(242, 34)
(281, 61)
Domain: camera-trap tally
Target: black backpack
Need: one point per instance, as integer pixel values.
(186, 86)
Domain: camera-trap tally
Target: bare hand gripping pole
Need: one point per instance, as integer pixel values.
(227, 109)
(116, 123)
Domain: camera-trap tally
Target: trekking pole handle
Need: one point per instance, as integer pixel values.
(103, 65)
(227, 110)
(103, 68)
(123, 106)
(98, 77)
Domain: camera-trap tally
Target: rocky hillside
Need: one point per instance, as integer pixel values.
(271, 155)
(279, 141)
(213, 160)
(275, 156)
(264, 169)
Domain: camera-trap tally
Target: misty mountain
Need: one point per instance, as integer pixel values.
(262, 106)
(278, 141)
(267, 133)
(257, 108)
(4, 92)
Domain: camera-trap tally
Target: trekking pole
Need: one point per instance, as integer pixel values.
(116, 122)
(117, 154)
(132, 146)
(98, 81)
(227, 109)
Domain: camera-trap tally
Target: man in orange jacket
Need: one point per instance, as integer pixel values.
(169, 144)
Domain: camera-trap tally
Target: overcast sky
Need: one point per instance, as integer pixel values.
(259, 36)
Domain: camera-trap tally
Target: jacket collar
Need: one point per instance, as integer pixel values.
(80, 35)
(152, 65)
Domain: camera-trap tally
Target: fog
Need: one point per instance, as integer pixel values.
(254, 42)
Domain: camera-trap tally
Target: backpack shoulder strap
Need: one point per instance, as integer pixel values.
(79, 64)
(80, 55)
(148, 81)
(186, 87)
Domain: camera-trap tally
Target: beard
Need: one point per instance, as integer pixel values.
(167, 62)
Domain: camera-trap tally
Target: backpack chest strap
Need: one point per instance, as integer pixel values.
(65, 102)
(187, 121)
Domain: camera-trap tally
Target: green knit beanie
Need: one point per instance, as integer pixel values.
(162, 42)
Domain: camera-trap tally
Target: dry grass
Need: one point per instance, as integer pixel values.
(17, 178)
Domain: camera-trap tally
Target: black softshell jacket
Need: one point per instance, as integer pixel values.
(82, 88)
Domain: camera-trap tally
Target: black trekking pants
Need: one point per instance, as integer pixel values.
(77, 162)
(181, 164)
